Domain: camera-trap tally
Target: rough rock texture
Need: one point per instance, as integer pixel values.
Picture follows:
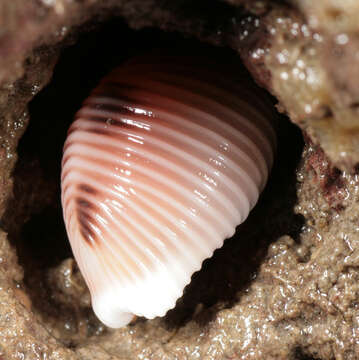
(286, 285)
(310, 50)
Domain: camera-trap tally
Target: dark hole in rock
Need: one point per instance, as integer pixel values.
(34, 217)
(299, 354)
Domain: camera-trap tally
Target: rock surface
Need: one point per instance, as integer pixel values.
(286, 285)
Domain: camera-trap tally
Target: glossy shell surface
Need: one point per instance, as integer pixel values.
(162, 162)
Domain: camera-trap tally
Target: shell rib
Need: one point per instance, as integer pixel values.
(161, 164)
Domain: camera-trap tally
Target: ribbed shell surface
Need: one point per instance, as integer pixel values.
(161, 164)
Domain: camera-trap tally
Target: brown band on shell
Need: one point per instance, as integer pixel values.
(65, 159)
(98, 131)
(106, 121)
(87, 189)
(124, 92)
(67, 145)
(72, 129)
(118, 109)
(83, 203)
(118, 89)
(85, 219)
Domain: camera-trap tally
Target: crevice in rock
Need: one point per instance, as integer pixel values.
(34, 216)
(299, 354)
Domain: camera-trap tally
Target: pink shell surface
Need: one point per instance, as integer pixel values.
(162, 162)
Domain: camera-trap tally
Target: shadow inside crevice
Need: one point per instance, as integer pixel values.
(299, 354)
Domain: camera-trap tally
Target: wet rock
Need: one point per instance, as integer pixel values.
(285, 287)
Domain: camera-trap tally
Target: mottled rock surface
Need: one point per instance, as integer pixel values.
(286, 285)
(310, 49)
